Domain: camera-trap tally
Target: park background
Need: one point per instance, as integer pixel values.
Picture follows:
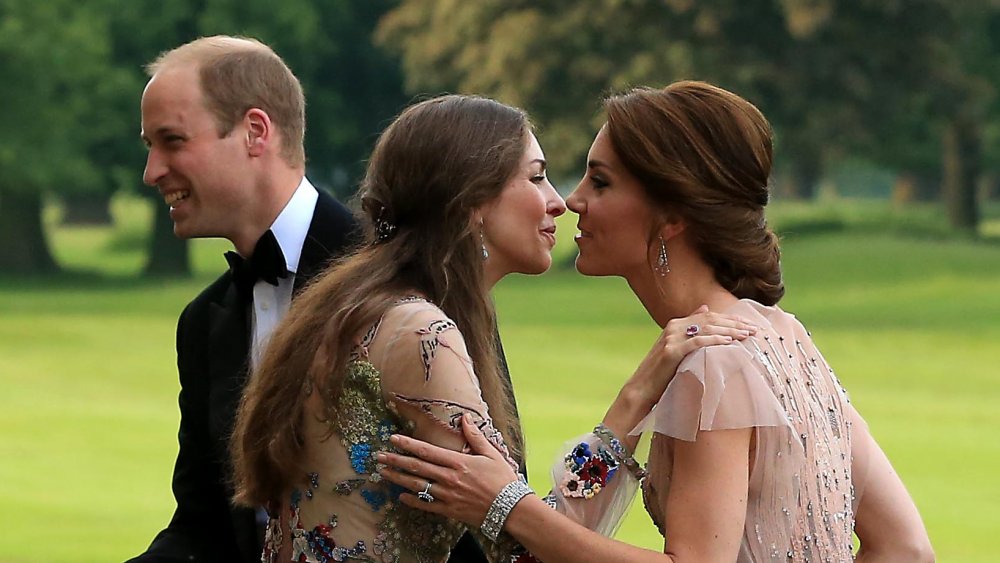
(886, 196)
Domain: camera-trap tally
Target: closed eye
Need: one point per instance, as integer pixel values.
(598, 182)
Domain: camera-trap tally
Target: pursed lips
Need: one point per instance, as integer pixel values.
(549, 233)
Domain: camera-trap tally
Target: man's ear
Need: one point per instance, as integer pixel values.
(260, 131)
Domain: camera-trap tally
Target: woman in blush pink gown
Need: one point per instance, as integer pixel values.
(756, 453)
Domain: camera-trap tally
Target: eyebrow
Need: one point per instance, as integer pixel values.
(160, 131)
(596, 164)
(540, 161)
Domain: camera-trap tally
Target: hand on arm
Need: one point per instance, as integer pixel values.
(657, 369)
(464, 485)
(427, 374)
(705, 514)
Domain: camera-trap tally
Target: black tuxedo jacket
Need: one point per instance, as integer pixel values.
(213, 344)
(213, 339)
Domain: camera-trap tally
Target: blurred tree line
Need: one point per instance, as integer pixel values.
(907, 84)
(71, 77)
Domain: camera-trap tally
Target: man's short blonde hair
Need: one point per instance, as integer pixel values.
(238, 74)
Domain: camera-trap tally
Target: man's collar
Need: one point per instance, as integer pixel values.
(292, 224)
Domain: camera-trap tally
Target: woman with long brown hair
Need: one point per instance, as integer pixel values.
(399, 338)
(756, 454)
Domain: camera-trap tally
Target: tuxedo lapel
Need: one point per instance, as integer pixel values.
(228, 350)
(332, 232)
(228, 353)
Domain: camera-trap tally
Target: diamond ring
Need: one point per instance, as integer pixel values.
(425, 495)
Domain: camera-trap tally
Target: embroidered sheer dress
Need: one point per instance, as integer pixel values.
(409, 373)
(801, 500)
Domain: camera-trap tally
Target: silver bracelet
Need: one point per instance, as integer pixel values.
(621, 452)
(502, 505)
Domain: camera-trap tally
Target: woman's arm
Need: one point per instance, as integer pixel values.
(705, 510)
(887, 521)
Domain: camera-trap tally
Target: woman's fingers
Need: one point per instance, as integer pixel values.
(426, 451)
(724, 319)
(417, 484)
(709, 323)
(412, 465)
(477, 441)
(735, 332)
(701, 341)
(406, 480)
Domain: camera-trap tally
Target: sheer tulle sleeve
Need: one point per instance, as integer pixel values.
(427, 376)
(428, 380)
(594, 481)
(718, 388)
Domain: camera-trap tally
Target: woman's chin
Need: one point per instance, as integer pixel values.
(538, 268)
(582, 266)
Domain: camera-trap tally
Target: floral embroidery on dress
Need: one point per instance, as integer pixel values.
(273, 539)
(316, 545)
(348, 486)
(375, 526)
(587, 471)
(506, 549)
(363, 429)
(430, 339)
(412, 531)
(449, 415)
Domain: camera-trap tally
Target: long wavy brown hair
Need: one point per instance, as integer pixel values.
(431, 169)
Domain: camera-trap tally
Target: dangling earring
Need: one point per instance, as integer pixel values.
(662, 264)
(482, 240)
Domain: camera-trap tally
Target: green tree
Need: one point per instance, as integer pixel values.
(56, 87)
(835, 77)
(164, 25)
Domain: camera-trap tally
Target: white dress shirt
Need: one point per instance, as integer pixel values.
(270, 303)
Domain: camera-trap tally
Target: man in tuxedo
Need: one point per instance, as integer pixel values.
(223, 118)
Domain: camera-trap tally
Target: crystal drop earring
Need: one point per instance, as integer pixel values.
(662, 264)
(482, 240)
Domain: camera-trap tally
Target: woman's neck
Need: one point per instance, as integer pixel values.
(678, 294)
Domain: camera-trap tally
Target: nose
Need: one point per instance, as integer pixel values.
(554, 204)
(156, 168)
(575, 202)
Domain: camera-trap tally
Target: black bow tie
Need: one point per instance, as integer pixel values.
(267, 263)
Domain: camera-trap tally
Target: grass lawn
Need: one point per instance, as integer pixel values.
(908, 319)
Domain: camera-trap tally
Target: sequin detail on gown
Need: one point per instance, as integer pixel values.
(801, 502)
